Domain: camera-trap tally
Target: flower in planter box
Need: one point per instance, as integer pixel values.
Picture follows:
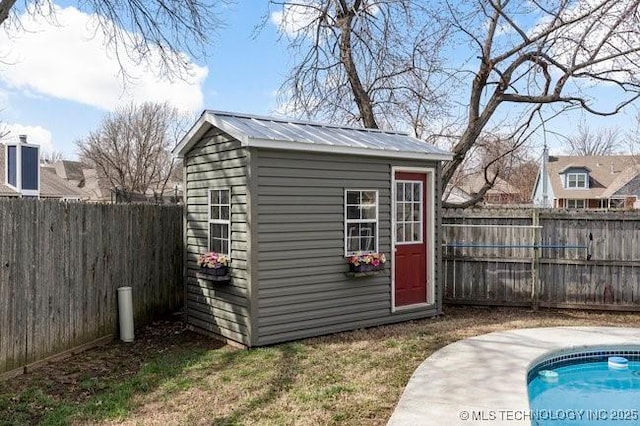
(373, 259)
(213, 260)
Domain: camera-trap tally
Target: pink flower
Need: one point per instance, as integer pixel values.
(368, 258)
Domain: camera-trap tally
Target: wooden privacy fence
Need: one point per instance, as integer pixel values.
(577, 259)
(61, 265)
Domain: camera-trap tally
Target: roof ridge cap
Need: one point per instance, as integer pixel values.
(306, 123)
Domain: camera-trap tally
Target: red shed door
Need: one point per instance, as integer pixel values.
(410, 260)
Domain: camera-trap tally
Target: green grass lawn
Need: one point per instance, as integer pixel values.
(170, 376)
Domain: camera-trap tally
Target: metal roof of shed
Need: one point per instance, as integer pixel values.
(280, 133)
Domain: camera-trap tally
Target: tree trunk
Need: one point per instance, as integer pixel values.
(363, 101)
(5, 9)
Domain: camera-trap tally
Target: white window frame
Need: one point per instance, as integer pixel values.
(422, 224)
(6, 166)
(347, 221)
(575, 201)
(576, 176)
(18, 187)
(218, 221)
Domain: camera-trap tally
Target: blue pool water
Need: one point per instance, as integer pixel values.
(588, 394)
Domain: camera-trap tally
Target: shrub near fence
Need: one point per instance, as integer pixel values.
(584, 259)
(61, 265)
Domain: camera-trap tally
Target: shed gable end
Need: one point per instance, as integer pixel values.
(217, 161)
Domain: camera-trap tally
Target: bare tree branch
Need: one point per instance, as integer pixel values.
(380, 63)
(158, 32)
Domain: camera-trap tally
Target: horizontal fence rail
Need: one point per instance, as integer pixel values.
(61, 265)
(545, 258)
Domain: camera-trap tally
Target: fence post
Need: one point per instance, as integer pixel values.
(535, 260)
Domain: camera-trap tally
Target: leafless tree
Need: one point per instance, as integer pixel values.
(493, 157)
(366, 61)
(160, 31)
(526, 62)
(50, 157)
(572, 46)
(604, 141)
(631, 138)
(523, 177)
(131, 147)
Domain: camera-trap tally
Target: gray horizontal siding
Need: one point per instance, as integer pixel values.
(345, 323)
(303, 288)
(217, 161)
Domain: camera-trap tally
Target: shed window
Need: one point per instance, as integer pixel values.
(220, 221)
(576, 180)
(361, 221)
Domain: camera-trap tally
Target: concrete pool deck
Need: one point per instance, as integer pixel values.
(483, 379)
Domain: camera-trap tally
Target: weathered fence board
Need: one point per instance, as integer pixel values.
(588, 259)
(61, 265)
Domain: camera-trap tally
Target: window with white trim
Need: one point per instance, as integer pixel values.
(576, 180)
(576, 204)
(361, 221)
(220, 221)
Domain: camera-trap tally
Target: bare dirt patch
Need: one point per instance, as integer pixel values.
(76, 379)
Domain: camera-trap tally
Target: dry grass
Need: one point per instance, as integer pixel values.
(349, 378)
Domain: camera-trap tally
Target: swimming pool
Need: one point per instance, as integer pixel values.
(485, 377)
(587, 388)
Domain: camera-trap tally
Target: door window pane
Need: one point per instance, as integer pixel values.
(409, 212)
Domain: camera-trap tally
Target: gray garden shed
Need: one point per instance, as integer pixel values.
(289, 201)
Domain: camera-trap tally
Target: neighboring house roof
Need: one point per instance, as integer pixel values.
(468, 186)
(69, 170)
(607, 174)
(53, 186)
(455, 195)
(97, 187)
(623, 178)
(280, 133)
(473, 183)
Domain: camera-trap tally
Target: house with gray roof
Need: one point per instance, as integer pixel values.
(98, 188)
(290, 203)
(22, 175)
(588, 182)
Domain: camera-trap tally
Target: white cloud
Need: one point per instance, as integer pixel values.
(294, 18)
(35, 134)
(4, 100)
(68, 60)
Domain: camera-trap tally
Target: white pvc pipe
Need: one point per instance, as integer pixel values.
(125, 313)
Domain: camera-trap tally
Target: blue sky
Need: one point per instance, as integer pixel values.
(56, 85)
(243, 69)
